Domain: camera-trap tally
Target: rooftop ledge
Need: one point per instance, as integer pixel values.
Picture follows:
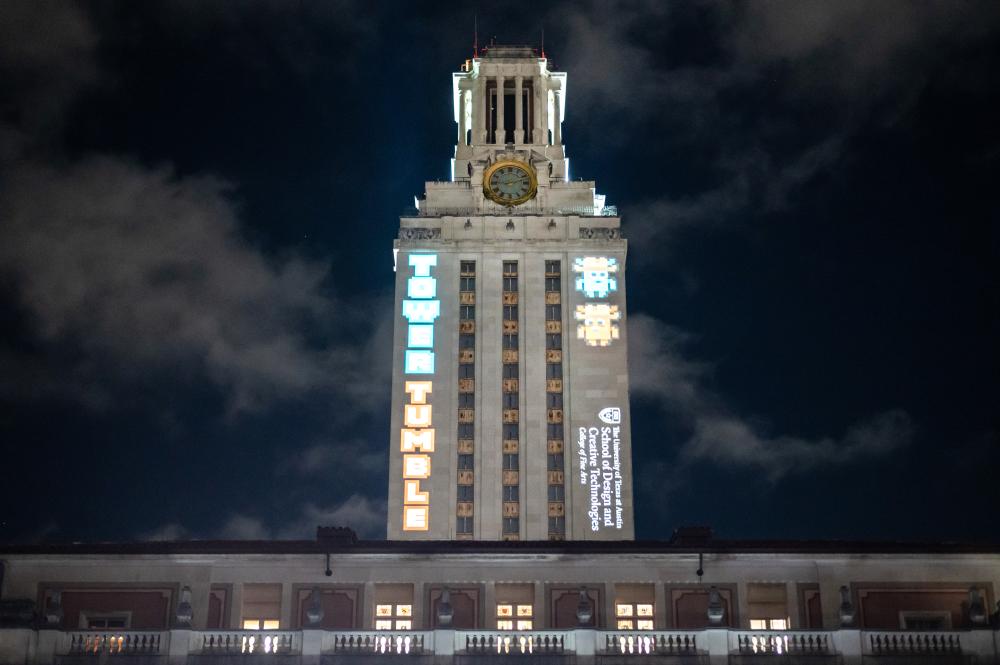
(574, 211)
(38, 647)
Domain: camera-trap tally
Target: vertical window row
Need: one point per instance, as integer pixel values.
(465, 508)
(511, 507)
(555, 442)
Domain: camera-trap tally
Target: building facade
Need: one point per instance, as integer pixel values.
(510, 515)
(510, 410)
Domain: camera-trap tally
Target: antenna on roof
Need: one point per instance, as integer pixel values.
(543, 42)
(475, 36)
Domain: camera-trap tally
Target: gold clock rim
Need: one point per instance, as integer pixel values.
(492, 196)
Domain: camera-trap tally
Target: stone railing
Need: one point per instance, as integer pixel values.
(28, 646)
(247, 642)
(650, 642)
(779, 641)
(520, 642)
(379, 642)
(114, 642)
(913, 642)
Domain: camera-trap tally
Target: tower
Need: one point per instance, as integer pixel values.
(510, 411)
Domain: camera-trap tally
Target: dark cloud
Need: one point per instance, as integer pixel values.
(661, 370)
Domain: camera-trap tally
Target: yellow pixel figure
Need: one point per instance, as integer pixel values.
(597, 323)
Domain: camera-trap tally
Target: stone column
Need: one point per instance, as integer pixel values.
(536, 92)
(368, 607)
(540, 609)
(463, 99)
(479, 112)
(556, 118)
(500, 139)
(660, 609)
(518, 110)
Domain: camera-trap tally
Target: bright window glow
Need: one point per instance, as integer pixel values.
(251, 624)
(422, 264)
(418, 361)
(416, 466)
(420, 336)
(505, 624)
(644, 610)
(769, 624)
(625, 624)
(271, 624)
(505, 610)
(645, 624)
(421, 311)
(404, 625)
(404, 610)
(421, 287)
(417, 440)
(524, 610)
(597, 327)
(595, 280)
(383, 624)
(417, 415)
(779, 624)
(383, 610)
(524, 624)
(623, 610)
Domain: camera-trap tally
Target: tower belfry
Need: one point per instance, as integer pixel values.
(510, 416)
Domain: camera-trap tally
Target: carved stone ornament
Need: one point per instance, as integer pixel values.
(419, 234)
(599, 233)
(445, 612)
(584, 609)
(314, 609)
(716, 611)
(185, 614)
(847, 613)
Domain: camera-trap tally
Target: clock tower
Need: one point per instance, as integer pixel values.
(510, 410)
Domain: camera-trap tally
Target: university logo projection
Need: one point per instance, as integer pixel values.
(596, 321)
(420, 309)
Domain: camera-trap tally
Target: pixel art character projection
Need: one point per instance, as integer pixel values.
(595, 280)
(597, 325)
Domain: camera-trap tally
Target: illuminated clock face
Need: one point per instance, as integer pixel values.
(510, 183)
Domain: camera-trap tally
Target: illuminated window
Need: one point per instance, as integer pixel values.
(767, 606)
(634, 616)
(261, 624)
(393, 617)
(511, 616)
(768, 624)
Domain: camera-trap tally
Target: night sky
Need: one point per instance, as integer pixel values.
(197, 207)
